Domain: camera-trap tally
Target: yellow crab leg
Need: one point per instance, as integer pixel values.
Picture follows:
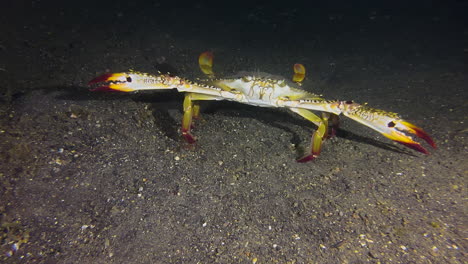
(318, 136)
(192, 110)
(196, 110)
(187, 119)
(205, 61)
(299, 73)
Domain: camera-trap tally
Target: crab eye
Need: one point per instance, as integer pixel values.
(129, 79)
(391, 124)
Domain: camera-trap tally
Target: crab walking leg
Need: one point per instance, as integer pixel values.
(335, 124)
(187, 119)
(196, 110)
(318, 136)
(299, 73)
(192, 110)
(205, 61)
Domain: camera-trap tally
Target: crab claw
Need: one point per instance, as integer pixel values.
(134, 81)
(113, 82)
(388, 124)
(397, 135)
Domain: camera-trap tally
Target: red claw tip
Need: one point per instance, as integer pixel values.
(102, 78)
(414, 146)
(421, 134)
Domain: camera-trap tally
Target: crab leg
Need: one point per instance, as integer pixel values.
(192, 110)
(187, 119)
(136, 81)
(299, 73)
(205, 61)
(388, 124)
(318, 136)
(196, 111)
(335, 124)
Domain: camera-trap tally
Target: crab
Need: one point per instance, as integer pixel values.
(267, 91)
